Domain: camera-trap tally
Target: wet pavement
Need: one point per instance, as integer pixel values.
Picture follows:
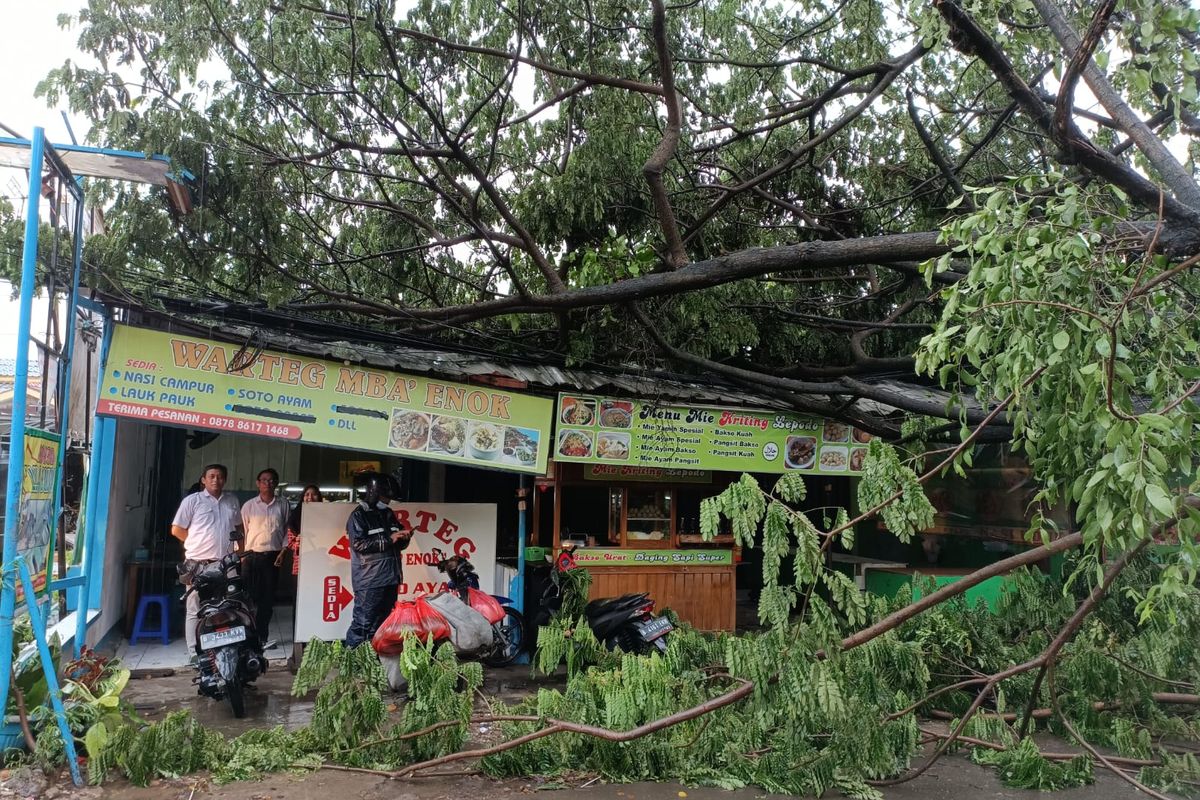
(270, 702)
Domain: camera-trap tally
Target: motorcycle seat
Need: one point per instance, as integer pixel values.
(608, 605)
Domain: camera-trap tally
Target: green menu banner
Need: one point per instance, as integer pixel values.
(175, 379)
(602, 430)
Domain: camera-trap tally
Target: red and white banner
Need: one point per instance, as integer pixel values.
(325, 598)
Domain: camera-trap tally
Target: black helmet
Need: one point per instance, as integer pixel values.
(384, 484)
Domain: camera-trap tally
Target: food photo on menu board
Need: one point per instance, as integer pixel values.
(655, 435)
(472, 440)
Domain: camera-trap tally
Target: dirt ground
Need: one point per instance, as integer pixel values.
(951, 778)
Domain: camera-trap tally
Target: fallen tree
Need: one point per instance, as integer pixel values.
(790, 719)
(829, 207)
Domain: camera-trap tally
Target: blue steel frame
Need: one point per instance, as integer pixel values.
(12, 567)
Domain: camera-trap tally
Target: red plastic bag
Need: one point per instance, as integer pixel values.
(486, 605)
(409, 616)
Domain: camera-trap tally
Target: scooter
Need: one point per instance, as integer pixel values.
(509, 633)
(627, 621)
(228, 649)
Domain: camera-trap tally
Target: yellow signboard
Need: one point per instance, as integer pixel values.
(180, 380)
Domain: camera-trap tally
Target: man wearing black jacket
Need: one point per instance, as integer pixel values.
(375, 544)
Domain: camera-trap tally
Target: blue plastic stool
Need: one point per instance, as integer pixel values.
(164, 619)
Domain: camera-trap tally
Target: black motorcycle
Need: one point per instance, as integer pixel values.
(228, 650)
(627, 622)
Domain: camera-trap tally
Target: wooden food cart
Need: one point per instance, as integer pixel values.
(629, 476)
(638, 531)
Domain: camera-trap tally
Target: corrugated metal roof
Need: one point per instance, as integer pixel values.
(8, 367)
(257, 326)
(548, 378)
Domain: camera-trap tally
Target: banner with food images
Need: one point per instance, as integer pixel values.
(605, 430)
(186, 381)
(35, 528)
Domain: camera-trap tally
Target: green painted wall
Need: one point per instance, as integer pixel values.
(888, 584)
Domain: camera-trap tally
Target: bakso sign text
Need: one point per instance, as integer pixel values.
(640, 433)
(172, 379)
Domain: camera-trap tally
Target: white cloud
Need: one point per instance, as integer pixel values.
(33, 45)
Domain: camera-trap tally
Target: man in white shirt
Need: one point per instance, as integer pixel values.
(203, 523)
(265, 519)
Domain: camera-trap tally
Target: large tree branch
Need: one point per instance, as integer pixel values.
(916, 399)
(967, 33)
(749, 263)
(665, 151)
(1173, 173)
(554, 726)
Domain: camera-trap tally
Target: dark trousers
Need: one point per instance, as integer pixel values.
(371, 608)
(259, 573)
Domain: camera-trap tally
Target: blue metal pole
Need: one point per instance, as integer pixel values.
(99, 465)
(64, 410)
(519, 583)
(16, 442)
(106, 434)
(50, 670)
(518, 588)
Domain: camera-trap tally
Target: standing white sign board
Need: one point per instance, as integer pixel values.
(324, 596)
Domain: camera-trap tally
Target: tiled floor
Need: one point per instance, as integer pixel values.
(152, 655)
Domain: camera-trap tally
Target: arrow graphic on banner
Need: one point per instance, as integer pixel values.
(341, 548)
(337, 597)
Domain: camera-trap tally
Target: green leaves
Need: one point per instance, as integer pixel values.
(790, 487)
(884, 477)
(1160, 500)
(1049, 291)
(1024, 767)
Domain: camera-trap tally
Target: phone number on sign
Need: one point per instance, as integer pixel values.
(239, 425)
(196, 419)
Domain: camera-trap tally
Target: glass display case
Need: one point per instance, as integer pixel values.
(646, 516)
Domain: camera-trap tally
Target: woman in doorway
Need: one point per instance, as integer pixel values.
(312, 494)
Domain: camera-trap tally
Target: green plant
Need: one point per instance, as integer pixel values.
(1024, 767)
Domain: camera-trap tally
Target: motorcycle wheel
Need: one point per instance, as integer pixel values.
(512, 628)
(237, 701)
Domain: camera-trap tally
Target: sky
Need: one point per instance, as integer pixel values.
(30, 46)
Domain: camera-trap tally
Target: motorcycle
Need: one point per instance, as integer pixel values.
(628, 621)
(508, 635)
(228, 649)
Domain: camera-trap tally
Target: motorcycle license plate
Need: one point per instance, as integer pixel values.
(655, 628)
(209, 641)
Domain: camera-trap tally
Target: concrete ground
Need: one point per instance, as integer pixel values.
(153, 656)
(952, 778)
